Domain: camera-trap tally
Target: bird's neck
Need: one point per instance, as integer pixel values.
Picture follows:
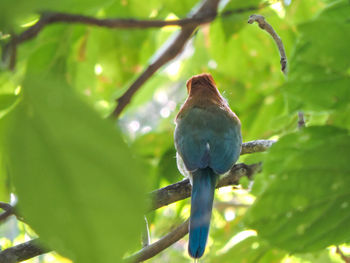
(204, 97)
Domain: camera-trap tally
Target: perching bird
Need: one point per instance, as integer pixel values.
(208, 142)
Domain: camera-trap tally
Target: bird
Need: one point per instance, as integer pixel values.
(208, 143)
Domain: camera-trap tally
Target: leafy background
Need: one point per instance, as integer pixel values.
(80, 179)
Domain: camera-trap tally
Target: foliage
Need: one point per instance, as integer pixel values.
(81, 178)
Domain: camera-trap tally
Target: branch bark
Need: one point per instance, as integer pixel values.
(182, 190)
(158, 246)
(266, 26)
(8, 211)
(345, 258)
(22, 252)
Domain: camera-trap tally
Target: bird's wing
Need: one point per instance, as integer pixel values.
(208, 137)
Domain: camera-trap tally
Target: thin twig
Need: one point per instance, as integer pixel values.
(160, 245)
(342, 255)
(22, 252)
(266, 26)
(169, 51)
(8, 211)
(301, 120)
(146, 239)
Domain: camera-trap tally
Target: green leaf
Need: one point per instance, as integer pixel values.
(251, 250)
(303, 196)
(7, 101)
(233, 19)
(21, 11)
(167, 166)
(300, 11)
(78, 184)
(320, 64)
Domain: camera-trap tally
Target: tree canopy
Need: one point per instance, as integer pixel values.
(88, 95)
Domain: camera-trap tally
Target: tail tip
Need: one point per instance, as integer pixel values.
(195, 252)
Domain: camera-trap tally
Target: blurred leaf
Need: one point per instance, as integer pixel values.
(341, 118)
(153, 144)
(4, 184)
(7, 101)
(301, 11)
(22, 11)
(73, 174)
(303, 193)
(179, 8)
(233, 19)
(251, 250)
(167, 166)
(322, 256)
(320, 64)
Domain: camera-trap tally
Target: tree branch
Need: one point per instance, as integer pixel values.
(181, 190)
(161, 244)
(256, 146)
(22, 252)
(266, 26)
(48, 18)
(8, 211)
(345, 258)
(169, 51)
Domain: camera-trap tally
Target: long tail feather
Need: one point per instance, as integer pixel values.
(203, 186)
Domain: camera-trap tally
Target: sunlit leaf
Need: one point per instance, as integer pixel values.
(319, 76)
(303, 196)
(251, 250)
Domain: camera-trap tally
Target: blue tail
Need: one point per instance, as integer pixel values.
(203, 186)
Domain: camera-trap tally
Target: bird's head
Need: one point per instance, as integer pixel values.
(201, 81)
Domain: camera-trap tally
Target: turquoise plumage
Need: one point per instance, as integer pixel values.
(208, 142)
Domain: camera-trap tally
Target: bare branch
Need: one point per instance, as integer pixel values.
(22, 252)
(345, 258)
(160, 245)
(8, 211)
(266, 26)
(182, 190)
(256, 146)
(169, 51)
(48, 18)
